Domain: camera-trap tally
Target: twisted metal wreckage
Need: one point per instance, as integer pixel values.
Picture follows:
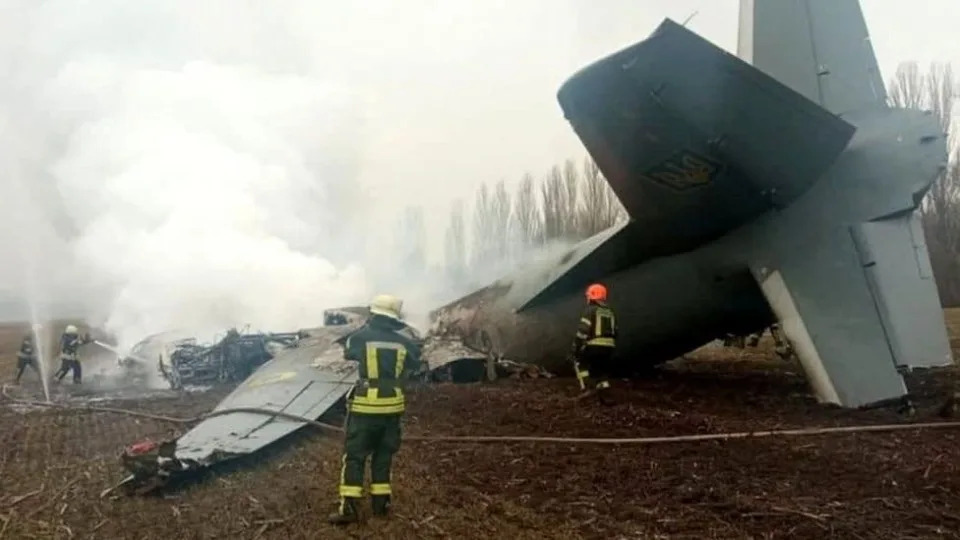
(302, 374)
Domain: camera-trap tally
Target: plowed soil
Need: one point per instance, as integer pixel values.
(54, 465)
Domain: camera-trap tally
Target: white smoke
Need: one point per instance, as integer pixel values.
(193, 199)
(200, 189)
(201, 164)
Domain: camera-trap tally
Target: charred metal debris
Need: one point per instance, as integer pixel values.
(230, 360)
(301, 373)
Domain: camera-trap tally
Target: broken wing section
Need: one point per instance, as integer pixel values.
(692, 138)
(826, 308)
(820, 49)
(304, 381)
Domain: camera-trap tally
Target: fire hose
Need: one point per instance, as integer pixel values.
(509, 438)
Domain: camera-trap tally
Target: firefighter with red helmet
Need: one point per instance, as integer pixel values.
(595, 343)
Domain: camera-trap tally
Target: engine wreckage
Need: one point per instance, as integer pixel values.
(302, 374)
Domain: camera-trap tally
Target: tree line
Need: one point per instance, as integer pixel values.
(569, 203)
(936, 90)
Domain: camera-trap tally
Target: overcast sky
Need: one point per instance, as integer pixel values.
(468, 93)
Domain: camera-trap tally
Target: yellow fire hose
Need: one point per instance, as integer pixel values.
(512, 438)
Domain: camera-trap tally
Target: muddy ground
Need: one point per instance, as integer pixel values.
(54, 464)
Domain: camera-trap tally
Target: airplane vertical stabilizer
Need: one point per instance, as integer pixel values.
(819, 48)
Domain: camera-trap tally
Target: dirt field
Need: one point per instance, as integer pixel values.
(54, 464)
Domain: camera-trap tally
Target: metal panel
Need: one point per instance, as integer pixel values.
(304, 381)
(645, 110)
(820, 49)
(831, 320)
(898, 270)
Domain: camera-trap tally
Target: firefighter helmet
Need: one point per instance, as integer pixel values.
(71, 330)
(388, 306)
(596, 293)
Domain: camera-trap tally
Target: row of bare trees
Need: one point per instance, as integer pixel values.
(569, 203)
(936, 90)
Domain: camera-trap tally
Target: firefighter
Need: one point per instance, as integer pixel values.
(27, 356)
(375, 406)
(595, 342)
(70, 342)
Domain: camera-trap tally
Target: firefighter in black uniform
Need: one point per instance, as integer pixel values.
(375, 406)
(595, 342)
(70, 343)
(27, 356)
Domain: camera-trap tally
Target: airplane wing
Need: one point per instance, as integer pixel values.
(305, 381)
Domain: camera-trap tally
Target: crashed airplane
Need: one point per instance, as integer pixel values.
(779, 192)
(775, 187)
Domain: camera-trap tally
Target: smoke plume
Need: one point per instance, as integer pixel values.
(170, 178)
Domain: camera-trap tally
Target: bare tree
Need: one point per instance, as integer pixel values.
(600, 208)
(936, 92)
(410, 241)
(483, 226)
(569, 201)
(455, 244)
(907, 87)
(526, 214)
(551, 196)
(500, 211)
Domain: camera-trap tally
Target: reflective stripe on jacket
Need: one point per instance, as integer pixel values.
(598, 326)
(385, 356)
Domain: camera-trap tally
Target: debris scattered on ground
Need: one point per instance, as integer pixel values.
(230, 360)
(873, 485)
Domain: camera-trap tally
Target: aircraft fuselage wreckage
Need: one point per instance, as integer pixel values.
(783, 190)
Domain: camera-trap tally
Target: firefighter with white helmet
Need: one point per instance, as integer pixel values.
(70, 343)
(375, 405)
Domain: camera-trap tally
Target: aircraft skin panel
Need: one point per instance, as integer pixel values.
(692, 138)
(894, 257)
(832, 321)
(304, 381)
(794, 328)
(820, 49)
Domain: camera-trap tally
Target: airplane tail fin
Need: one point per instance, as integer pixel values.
(820, 49)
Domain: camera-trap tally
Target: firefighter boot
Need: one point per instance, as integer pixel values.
(346, 513)
(381, 504)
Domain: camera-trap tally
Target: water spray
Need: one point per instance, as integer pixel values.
(36, 328)
(120, 354)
